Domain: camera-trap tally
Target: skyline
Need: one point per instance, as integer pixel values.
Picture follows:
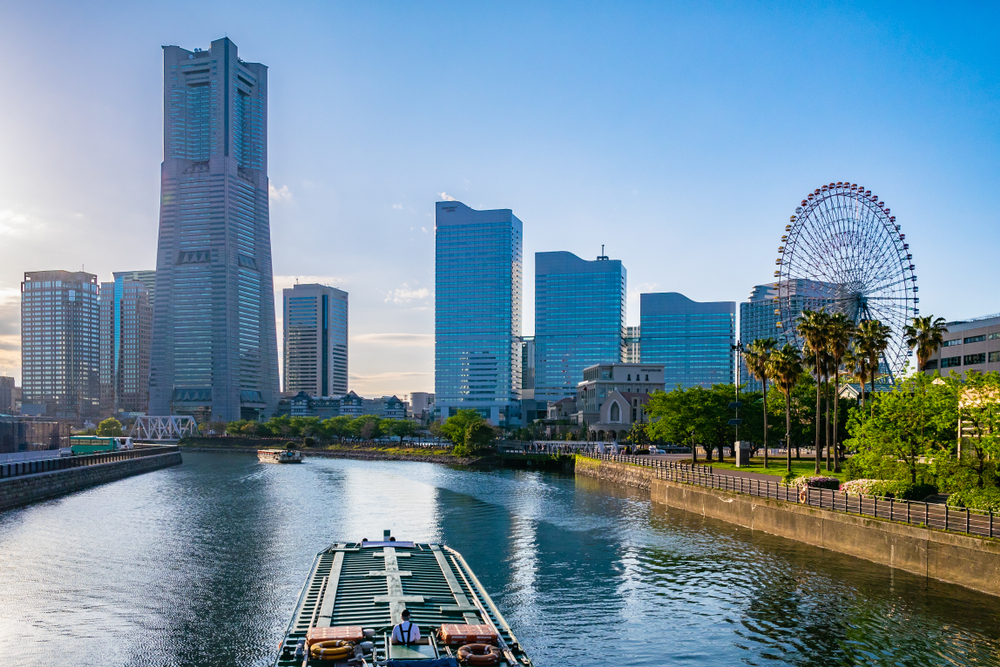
(682, 139)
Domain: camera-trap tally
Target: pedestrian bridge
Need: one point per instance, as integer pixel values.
(163, 429)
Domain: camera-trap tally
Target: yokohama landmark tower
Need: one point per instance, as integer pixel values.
(214, 352)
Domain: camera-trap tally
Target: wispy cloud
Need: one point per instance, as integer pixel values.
(279, 194)
(395, 339)
(17, 225)
(446, 197)
(398, 207)
(406, 294)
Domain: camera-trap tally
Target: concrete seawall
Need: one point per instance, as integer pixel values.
(30, 488)
(973, 562)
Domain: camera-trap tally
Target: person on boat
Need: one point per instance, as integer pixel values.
(406, 632)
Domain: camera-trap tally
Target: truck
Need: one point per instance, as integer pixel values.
(96, 444)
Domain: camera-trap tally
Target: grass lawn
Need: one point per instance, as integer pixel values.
(776, 467)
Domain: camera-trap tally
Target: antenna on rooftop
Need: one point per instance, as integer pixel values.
(602, 256)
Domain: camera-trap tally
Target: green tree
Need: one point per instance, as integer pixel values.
(979, 410)
(338, 427)
(925, 335)
(478, 436)
(757, 356)
(306, 426)
(110, 428)
(814, 327)
(367, 427)
(838, 344)
(785, 367)
(872, 340)
(455, 427)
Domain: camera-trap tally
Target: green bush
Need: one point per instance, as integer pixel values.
(889, 488)
(291, 445)
(309, 442)
(978, 499)
(817, 482)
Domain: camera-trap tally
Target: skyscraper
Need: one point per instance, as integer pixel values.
(214, 352)
(633, 345)
(579, 320)
(315, 349)
(126, 337)
(477, 312)
(692, 340)
(59, 344)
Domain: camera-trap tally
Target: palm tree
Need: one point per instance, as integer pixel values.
(785, 367)
(757, 357)
(813, 328)
(838, 344)
(856, 363)
(873, 340)
(926, 334)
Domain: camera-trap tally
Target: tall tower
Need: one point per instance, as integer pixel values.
(315, 350)
(693, 340)
(126, 326)
(214, 353)
(60, 358)
(579, 320)
(477, 312)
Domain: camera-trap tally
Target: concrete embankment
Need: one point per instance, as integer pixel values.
(973, 562)
(361, 454)
(26, 489)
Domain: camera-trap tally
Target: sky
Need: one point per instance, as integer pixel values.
(680, 135)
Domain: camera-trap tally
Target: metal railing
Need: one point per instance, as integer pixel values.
(21, 468)
(912, 512)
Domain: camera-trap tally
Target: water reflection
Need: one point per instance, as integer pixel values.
(201, 565)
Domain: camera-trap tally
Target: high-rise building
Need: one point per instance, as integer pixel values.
(477, 312)
(760, 315)
(6, 395)
(315, 350)
(529, 409)
(694, 341)
(633, 345)
(968, 345)
(579, 319)
(126, 337)
(215, 352)
(60, 324)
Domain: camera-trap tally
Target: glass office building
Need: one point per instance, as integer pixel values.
(477, 312)
(692, 340)
(579, 320)
(126, 338)
(215, 351)
(315, 350)
(60, 341)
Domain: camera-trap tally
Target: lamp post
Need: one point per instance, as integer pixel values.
(738, 349)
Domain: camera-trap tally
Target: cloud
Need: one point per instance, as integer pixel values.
(279, 194)
(405, 294)
(398, 207)
(423, 229)
(446, 197)
(395, 339)
(18, 224)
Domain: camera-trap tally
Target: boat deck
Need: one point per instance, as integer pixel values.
(369, 584)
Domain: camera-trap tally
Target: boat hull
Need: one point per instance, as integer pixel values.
(279, 456)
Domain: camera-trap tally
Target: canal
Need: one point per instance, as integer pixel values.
(201, 564)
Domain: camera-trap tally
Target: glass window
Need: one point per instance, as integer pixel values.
(949, 343)
(931, 365)
(973, 359)
(951, 362)
(976, 339)
(994, 357)
(995, 336)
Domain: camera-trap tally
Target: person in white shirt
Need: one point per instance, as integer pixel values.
(406, 632)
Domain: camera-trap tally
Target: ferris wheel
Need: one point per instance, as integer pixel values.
(844, 251)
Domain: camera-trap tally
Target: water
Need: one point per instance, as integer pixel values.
(201, 564)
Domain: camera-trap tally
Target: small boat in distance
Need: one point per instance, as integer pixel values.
(279, 456)
(357, 592)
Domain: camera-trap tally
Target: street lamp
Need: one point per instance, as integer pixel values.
(736, 405)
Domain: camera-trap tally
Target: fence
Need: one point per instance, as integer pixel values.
(19, 468)
(917, 513)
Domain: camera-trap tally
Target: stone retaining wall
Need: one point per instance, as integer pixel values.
(29, 488)
(973, 562)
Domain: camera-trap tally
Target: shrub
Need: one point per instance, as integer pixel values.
(291, 445)
(888, 488)
(309, 442)
(985, 499)
(817, 482)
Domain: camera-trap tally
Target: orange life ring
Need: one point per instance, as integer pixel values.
(479, 654)
(332, 649)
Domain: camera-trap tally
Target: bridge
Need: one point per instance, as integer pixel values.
(163, 429)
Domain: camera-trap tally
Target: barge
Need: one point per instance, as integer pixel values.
(279, 456)
(357, 592)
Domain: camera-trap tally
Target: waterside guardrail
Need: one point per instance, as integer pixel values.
(21, 468)
(916, 513)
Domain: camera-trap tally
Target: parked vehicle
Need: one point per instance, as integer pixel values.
(96, 444)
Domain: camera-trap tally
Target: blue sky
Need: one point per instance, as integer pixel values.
(679, 135)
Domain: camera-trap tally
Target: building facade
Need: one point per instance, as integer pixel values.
(694, 341)
(126, 339)
(579, 319)
(214, 353)
(601, 380)
(477, 312)
(760, 315)
(633, 345)
(421, 405)
(969, 345)
(529, 408)
(60, 345)
(315, 337)
(6, 395)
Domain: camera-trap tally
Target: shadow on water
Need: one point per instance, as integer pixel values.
(201, 565)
